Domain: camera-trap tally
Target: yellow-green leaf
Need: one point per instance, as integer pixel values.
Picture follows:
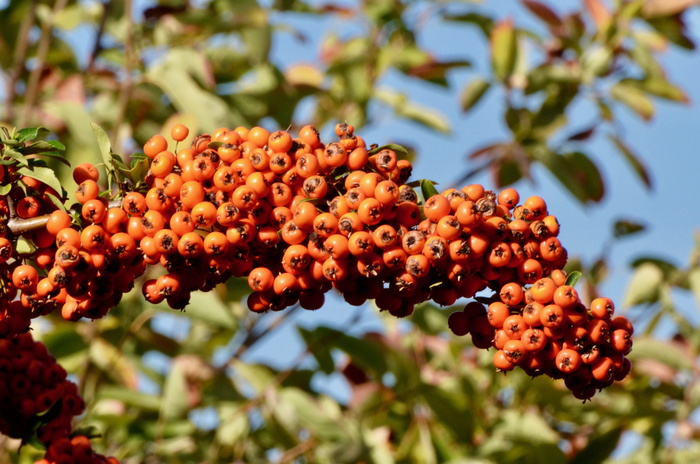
(504, 49)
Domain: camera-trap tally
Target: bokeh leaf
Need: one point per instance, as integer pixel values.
(504, 49)
(645, 285)
(634, 98)
(623, 228)
(174, 403)
(632, 160)
(473, 92)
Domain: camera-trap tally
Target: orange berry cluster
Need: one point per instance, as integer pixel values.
(77, 449)
(297, 217)
(32, 383)
(546, 329)
(19, 300)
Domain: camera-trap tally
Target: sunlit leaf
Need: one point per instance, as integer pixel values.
(312, 417)
(667, 268)
(113, 362)
(103, 143)
(257, 375)
(667, 352)
(234, 423)
(504, 49)
(16, 157)
(32, 133)
(24, 246)
(42, 174)
(129, 396)
(659, 87)
(174, 403)
(208, 307)
(634, 99)
(473, 92)
(645, 285)
(694, 283)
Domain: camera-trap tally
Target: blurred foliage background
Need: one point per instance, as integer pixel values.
(182, 388)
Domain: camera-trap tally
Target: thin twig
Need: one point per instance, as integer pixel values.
(253, 337)
(126, 83)
(18, 60)
(43, 49)
(97, 47)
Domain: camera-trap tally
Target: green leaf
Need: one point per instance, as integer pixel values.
(623, 228)
(599, 448)
(64, 341)
(5, 188)
(32, 133)
(398, 149)
(427, 188)
(694, 283)
(138, 170)
(43, 146)
(634, 98)
(257, 375)
(673, 28)
(507, 172)
(318, 421)
(529, 427)
(403, 107)
(669, 353)
(209, 308)
(60, 157)
(573, 278)
(473, 92)
(24, 246)
(423, 115)
(320, 352)
(112, 361)
(645, 285)
(258, 40)
(42, 174)
(484, 22)
(174, 404)
(103, 143)
(575, 171)
(659, 87)
(234, 423)
(16, 156)
(178, 83)
(504, 49)
(129, 397)
(633, 160)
